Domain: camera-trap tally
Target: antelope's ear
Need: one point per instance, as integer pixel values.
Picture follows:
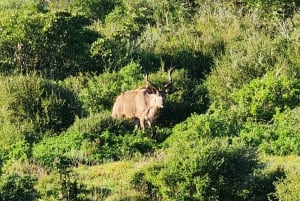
(150, 90)
(170, 89)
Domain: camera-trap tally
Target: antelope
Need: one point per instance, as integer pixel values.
(142, 104)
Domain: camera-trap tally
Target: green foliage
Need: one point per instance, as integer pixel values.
(236, 79)
(96, 9)
(280, 137)
(48, 186)
(41, 106)
(273, 10)
(19, 151)
(205, 126)
(287, 188)
(54, 43)
(64, 45)
(240, 64)
(261, 98)
(112, 52)
(61, 184)
(15, 4)
(11, 135)
(96, 139)
(17, 188)
(101, 91)
(220, 169)
(173, 11)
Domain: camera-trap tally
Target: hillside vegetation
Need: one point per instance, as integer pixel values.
(230, 129)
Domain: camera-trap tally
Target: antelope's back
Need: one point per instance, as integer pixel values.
(129, 104)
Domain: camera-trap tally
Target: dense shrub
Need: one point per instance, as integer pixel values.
(48, 186)
(262, 97)
(237, 71)
(188, 96)
(100, 91)
(95, 139)
(249, 53)
(218, 170)
(280, 137)
(95, 9)
(218, 124)
(11, 136)
(57, 44)
(35, 106)
(287, 188)
(272, 10)
(17, 188)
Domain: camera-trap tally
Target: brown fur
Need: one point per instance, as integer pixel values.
(142, 104)
(139, 104)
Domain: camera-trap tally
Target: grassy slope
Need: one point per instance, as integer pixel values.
(290, 163)
(114, 177)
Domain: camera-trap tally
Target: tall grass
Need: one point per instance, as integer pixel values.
(14, 4)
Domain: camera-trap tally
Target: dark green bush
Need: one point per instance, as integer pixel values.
(56, 44)
(17, 188)
(281, 137)
(96, 9)
(188, 96)
(92, 140)
(211, 125)
(219, 169)
(63, 46)
(36, 106)
(100, 91)
(261, 98)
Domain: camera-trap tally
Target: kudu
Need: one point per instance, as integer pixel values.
(142, 104)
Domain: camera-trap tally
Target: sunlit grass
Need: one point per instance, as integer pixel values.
(113, 178)
(287, 188)
(290, 164)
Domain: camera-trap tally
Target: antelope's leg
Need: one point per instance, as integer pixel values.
(151, 125)
(142, 124)
(136, 124)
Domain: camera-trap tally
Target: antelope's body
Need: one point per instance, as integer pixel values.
(138, 104)
(141, 104)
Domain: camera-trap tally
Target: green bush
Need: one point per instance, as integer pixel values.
(287, 188)
(61, 184)
(272, 10)
(100, 91)
(261, 98)
(11, 136)
(95, 139)
(281, 137)
(219, 169)
(188, 96)
(56, 44)
(64, 46)
(49, 187)
(36, 106)
(217, 124)
(17, 188)
(95, 9)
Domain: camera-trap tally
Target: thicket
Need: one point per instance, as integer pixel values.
(236, 97)
(223, 169)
